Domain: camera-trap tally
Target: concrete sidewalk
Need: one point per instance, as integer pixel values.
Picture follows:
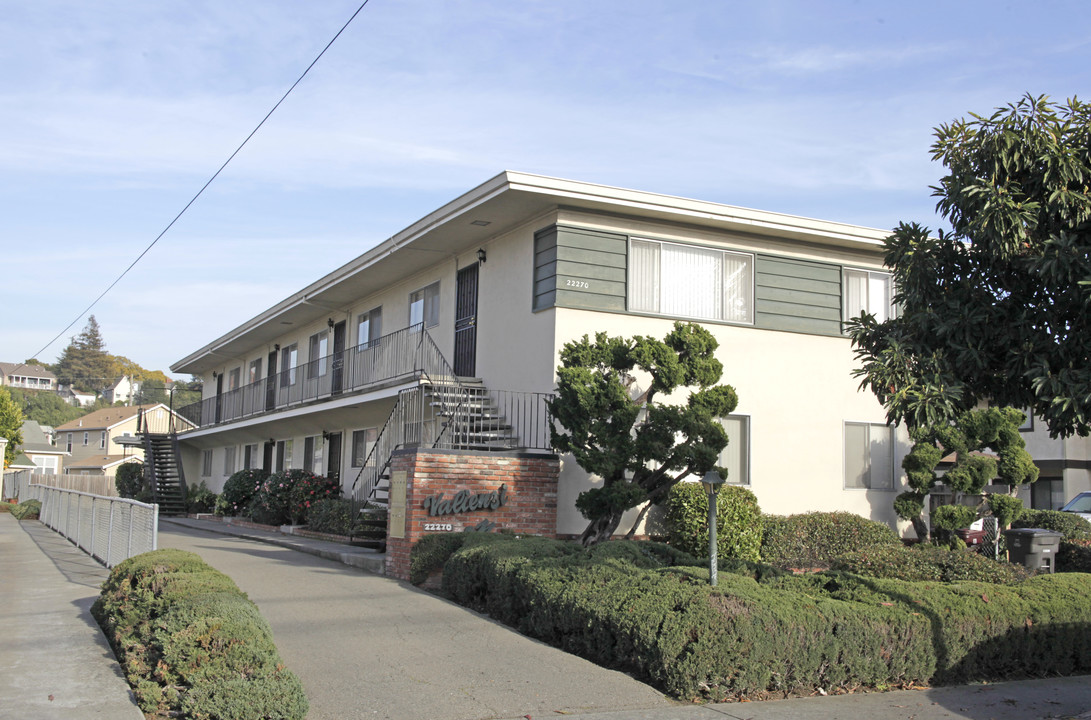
(54, 660)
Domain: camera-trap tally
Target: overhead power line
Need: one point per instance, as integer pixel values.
(205, 186)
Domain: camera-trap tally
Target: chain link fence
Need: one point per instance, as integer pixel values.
(109, 529)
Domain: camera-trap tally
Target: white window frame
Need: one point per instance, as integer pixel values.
(870, 483)
(233, 379)
(102, 440)
(318, 354)
(206, 463)
(367, 336)
(289, 361)
(229, 461)
(357, 459)
(742, 447)
(720, 313)
(427, 298)
(254, 371)
(869, 276)
(86, 438)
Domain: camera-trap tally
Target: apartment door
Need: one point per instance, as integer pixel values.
(271, 382)
(219, 397)
(337, 369)
(466, 321)
(267, 456)
(333, 457)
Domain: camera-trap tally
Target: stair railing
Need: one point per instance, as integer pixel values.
(404, 427)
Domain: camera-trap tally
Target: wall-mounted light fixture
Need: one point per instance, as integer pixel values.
(481, 255)
(214, 375)
(325, 436)
(329, 322)
(276, 346)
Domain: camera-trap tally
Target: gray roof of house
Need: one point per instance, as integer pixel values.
(35, 439)
(25, 370)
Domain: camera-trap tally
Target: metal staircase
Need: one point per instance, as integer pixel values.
(447, 412)
(163, 473)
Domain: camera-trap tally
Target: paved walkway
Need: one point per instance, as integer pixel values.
(54, 660)
(370, 647)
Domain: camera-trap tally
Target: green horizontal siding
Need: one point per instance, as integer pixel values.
(797, 295)
(579, 268)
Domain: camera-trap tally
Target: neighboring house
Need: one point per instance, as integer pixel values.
(100, 434)
(493, 284)
(29, 377)
(1065, 465)
(99, 464)
(75, 397)
(125, 390)
(39, 449)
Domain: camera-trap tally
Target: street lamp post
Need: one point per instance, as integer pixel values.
(712, 482)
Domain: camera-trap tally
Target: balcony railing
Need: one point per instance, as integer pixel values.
(401, 355)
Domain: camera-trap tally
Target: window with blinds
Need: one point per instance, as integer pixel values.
(867, 291)
(690, 281)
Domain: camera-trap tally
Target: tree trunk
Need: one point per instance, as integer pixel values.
(601, 529)
(921, 528)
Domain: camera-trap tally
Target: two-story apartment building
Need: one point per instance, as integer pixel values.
(492, 285)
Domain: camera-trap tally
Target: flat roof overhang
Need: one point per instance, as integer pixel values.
(492, 208)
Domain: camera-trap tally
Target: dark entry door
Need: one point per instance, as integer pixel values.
(337, 371)
(219, 397)
(466, 322)
(271, 382)
(267, 456)
(333, 457)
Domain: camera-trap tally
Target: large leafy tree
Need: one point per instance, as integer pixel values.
(999, 310)
(11, 425)
(85, 364)
(45, 408)
(609, 418)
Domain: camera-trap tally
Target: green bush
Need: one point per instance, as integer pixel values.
(948, 518)
(1005, 507)
(199, 499)
(239, 491)
(738, 521)
(813, 540)
(929, 562)
(27, 510)
(1072, 526)
(191, 644)
(6, 507)
(785, 635)
(1074, 556)
(286, 497)
(335, 516)
(430, 553)
(129, 481)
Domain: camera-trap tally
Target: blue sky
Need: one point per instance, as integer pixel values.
(113, 114)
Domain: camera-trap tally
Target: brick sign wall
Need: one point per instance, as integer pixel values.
(455, 490)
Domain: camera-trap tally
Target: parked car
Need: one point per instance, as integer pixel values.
(1081, 505)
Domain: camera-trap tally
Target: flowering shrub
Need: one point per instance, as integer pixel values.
(287, 497)
(239, 492)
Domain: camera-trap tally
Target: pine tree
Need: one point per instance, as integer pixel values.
(85, 364)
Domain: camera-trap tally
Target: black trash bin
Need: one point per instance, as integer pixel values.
(1035, 548)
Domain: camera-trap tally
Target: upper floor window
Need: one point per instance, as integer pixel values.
(86, 438)
(369, 327)
(69, 447)
(318, 350)
(424, 306)
(255, 372)
(102, 440)
(289, 358)
(869, 456)
(690, 281)
(233, 379)
(868, 291)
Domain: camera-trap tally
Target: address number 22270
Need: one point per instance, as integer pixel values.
(577, 283)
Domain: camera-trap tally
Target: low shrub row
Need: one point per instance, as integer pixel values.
(929, 563)
(191, 644)
(814, 540)
(648, 610)
(1072, 526)
(278, 499)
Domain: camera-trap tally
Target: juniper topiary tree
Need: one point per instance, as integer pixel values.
(609, 418)
(995, 429)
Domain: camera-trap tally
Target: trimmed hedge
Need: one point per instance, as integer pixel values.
(191, 644)
(738, 521)
(1074, 556)
(929, 562)
(813, 540)
(1072, 526)
(626, 607)
(27, 510)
